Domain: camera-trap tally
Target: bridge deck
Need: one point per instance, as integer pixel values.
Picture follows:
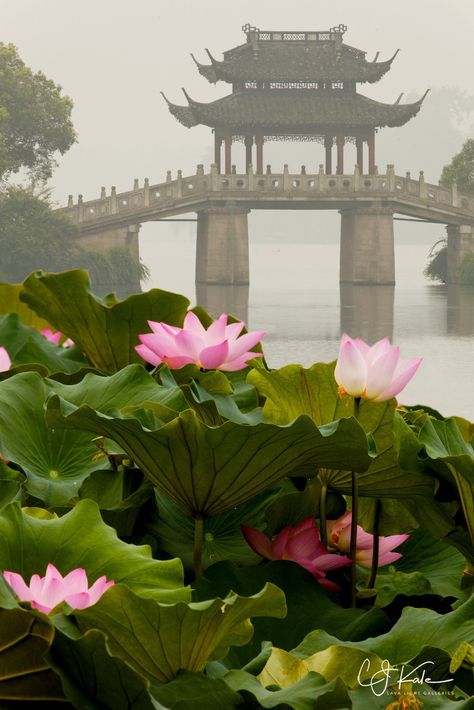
(413, 198)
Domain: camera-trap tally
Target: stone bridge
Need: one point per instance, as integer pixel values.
(367, 204)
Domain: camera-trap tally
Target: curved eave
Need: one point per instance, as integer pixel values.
(229, 71)
(376, 70)
(242, 111)
(184, 114)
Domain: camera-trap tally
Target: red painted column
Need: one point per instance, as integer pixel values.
(228, 153)
(360, 154)
(248, 151)
(340, 154)
(217, 151)
(371, 144)
(259, 144)
(328, 147)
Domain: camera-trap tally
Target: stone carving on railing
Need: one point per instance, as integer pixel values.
(315, 185)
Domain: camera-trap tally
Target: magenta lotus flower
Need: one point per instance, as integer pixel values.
(55, 337)
(376, 373)
(44, 593)
(339, 538)
(300, 544)
(5, 362)
(218, 347)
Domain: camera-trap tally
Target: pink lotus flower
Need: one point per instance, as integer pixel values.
(55, 337)
(44, 593)
(339, 538)
(300, 544)
(5, 362)
(217, 347)
(376, 373)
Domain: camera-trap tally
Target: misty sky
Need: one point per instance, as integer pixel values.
(113, 57)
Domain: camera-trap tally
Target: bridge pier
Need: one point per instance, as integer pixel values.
(222, 246)
(460, 244)
(367, 251)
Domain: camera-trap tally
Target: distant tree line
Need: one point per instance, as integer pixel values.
(35, 125)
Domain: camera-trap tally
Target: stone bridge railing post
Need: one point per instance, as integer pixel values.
(454, 194)
(214, 177)
(286, 177)
(146, 193)
(391, 177)
(250, 177)
(179, 184)
(421, 186)
(113, 201)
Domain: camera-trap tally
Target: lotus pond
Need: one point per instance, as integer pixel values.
(183, 528)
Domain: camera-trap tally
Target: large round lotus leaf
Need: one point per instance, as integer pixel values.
(10, 303)
(81, 539)
(92, 678)
(106, 331)
(25, 676)
(210, 469)
(55, 462)
(294, 390)
(159, 640)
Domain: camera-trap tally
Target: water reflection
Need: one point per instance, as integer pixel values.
(367, 311)
(218, 298)
(460, 310)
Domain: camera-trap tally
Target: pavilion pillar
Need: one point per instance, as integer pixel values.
(367, 251)
(228, 153)
(360, 154)
(217, 151)
(222, 246)
(248, 152)
(340, 154)
(259, 144)
(371, 145)
(328, 147)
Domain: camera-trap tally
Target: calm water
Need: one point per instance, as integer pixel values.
(295, 297)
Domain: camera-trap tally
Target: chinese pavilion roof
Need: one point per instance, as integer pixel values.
(293, 111)
(294, 56)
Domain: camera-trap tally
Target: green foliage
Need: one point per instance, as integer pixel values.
(461, 169)
(35, 119)
(105, 455)
(81, 538)
(105, 330)
(32, 235)
(437, 267)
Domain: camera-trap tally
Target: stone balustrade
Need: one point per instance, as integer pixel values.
(291, 185)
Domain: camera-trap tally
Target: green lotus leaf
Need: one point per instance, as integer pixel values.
(55, 461)
(25, 676)
(104, 329)
(81, 539)
(284, 669)
(222, 537)
(440, 565)
(401, 644)
(208, 470)
(309, 606)
(190, 691)
(294, 390)
(28, 347)
(160, 640)
(92, 678)
(446, 447)
(310, 693)
(10, 303)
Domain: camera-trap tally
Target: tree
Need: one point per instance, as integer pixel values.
(35, 119)
(32, 235)
(461, 169)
